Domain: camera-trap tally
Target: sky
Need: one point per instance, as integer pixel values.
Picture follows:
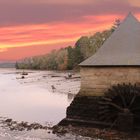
(35, 27)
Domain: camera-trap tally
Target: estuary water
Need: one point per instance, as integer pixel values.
(28, 101)
(32, 100)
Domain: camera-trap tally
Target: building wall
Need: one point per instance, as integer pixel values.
(96, 80)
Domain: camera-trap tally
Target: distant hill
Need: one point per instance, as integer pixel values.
(7, 64)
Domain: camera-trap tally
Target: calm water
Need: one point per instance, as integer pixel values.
(25, 100)
(29, 102)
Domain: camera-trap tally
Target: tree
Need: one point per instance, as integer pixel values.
(71, 58)
(81, 47)
(116, 25)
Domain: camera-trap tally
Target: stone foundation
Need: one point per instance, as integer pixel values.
(83, 107)
(95, 81)
(84, 111)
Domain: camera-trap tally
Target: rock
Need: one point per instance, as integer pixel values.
(59, 130)
(9, 124)
(29, 128)
(24, 124)
(22, 77)
(12, 128)
(8, 120)
(21, 129)
(13, 125)
(35, 126)
(44, 127)
(14, 122)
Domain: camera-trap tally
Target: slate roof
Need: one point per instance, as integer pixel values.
(122, 48)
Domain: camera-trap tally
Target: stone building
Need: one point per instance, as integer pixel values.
(116, 62)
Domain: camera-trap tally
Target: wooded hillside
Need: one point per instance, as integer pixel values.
(68, 58)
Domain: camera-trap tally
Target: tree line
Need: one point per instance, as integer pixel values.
(68, 58)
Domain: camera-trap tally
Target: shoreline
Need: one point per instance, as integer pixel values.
(85, 132)
(45, 79)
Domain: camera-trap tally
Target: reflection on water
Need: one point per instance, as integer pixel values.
(29, 102)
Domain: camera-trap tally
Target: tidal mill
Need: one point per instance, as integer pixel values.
(110, 82)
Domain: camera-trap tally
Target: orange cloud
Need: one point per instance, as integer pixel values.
(134, 3)
(50, 36)
(60, 1)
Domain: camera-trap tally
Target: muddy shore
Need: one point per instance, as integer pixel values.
(48, 79)
(95, 133)
(83, 133)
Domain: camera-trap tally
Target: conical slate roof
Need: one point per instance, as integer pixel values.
(122, 48)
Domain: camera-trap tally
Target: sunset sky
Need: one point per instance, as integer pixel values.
(34, 27)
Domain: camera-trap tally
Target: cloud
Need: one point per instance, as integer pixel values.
(79, 2)
(42, 11)
(69, 2)
(48, 24)
(23, 52)
(135, 3)
(3, 49)
(48, 35)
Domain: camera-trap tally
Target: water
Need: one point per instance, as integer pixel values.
(30, 100)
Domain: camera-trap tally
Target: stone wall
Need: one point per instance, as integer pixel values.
(91, 107)
(96, 80)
